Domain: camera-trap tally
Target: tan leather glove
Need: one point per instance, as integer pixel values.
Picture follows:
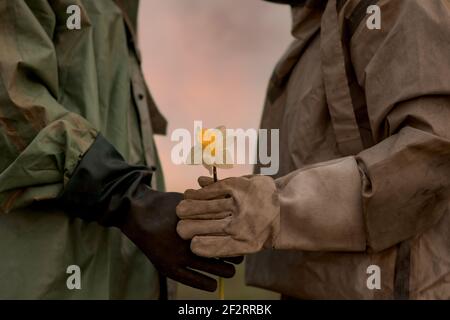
(316, 208)
(234, 216)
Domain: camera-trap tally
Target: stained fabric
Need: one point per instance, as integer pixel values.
(59, 88)
(404, 172)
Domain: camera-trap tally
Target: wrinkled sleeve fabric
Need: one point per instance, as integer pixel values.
(320, 208)
(400, 187)
(404, 69)
(41, 142)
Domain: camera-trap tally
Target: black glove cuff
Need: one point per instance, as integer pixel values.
(100, 184)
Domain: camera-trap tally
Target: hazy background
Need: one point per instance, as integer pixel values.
(210, 60)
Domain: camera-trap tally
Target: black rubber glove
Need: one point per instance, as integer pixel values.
(105, 189)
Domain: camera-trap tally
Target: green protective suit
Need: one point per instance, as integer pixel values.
(60, 87)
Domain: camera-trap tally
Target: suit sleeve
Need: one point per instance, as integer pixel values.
(41, 141)
(399, 187)
(404, 71)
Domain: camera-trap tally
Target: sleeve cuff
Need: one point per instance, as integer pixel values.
(100, 183)
(321, 208)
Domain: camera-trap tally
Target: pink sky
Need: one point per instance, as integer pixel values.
(209, 60)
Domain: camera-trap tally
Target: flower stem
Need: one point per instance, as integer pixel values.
(221, 285)
(215, 174)
(221, 289)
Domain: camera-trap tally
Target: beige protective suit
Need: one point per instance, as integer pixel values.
(378, 103)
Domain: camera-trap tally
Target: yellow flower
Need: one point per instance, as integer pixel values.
(206, 138)
(211, 149)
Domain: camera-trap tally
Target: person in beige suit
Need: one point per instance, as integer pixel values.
(364, 179)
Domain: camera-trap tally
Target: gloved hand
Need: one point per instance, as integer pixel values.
(234, 216)
(105, 189)
(151, 224)
(316, 208)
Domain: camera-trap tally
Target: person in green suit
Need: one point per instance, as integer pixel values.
(80, 180)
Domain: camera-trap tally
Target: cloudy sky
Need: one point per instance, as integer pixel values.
(209, 60)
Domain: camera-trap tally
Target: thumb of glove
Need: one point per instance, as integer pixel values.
(205, 181)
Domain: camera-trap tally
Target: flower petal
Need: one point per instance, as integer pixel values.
(209, 168)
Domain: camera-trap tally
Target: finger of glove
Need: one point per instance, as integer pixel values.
(205, 181)
(216, 190)
(224, 184)
(209, 216)
(216, 246)
(206, 193)
(195, 209)
(213, 266)
(187, 229)
(194, 279)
